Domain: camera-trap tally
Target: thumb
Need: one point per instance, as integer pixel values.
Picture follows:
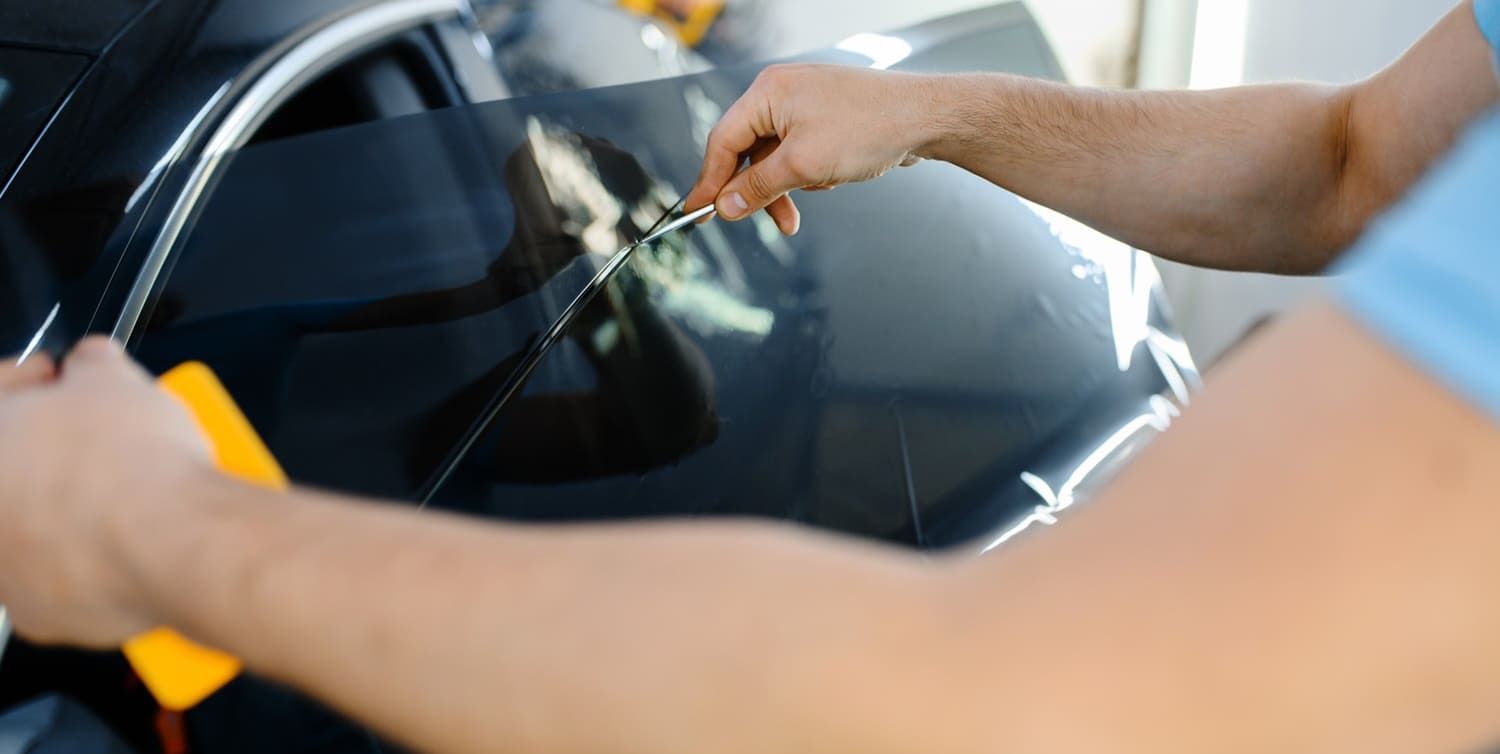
(760, 184)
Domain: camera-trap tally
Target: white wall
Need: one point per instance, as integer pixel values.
(1332, 40)
(1317, 40)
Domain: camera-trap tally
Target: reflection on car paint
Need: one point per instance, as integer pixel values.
(40, 337)
(1134, 289)
(1091, 473)
(882, 50)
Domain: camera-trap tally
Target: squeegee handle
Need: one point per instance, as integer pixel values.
(179, 673)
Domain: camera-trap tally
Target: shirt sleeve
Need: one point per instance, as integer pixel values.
(1426, 277)
(1487, 13)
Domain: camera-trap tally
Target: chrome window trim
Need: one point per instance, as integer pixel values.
(277, 82)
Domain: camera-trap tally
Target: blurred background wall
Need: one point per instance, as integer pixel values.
(1224, 42)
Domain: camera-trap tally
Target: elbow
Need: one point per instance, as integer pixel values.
(1354, 196)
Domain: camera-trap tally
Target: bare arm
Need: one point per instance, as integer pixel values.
(457, 636)
(1306, 563)
(1273, 178)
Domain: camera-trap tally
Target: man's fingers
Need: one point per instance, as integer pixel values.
(755, 187)
(739, 131)
(788, 218)
(38, 370)
(95, 350)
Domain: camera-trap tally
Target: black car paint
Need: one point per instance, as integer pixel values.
(85, 26)
(935, 366)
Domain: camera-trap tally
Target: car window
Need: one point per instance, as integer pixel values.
(362, 291)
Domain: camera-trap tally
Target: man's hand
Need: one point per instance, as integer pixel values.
(811, 127)
(71, 445)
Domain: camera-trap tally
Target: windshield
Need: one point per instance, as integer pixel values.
(362, 310)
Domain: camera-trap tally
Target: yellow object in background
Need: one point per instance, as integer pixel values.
(690, 29)
(179, 673)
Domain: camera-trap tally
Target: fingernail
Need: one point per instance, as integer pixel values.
(735, 207)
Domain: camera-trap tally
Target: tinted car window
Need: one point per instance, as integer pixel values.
(361, 310)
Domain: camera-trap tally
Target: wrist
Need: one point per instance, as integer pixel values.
(162, 534)
(940, 127)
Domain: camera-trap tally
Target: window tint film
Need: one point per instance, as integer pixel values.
(365, 292)
(898, 371)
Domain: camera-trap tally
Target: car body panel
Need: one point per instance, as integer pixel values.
(85, 26)
(28, 102)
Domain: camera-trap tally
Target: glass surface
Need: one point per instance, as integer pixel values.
(363, 293)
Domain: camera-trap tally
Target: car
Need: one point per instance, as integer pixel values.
(406, 235)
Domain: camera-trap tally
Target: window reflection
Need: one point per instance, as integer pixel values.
(382, 322)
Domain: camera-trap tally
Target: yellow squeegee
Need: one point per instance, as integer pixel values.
(179, 673)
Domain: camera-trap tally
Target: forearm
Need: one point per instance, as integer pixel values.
(1222, 596)
(580, 640)
(1247, 178)
(1276, 178)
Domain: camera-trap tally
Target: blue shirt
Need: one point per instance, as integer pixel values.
(1426, 277)
(1487, 13)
